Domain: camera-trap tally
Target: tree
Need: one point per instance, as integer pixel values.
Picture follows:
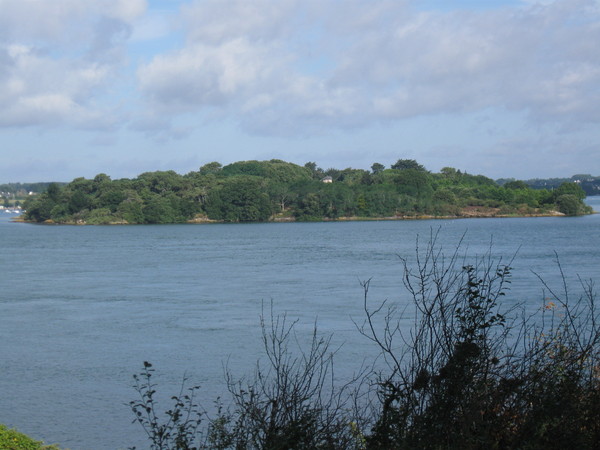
(162, 182)
(54, 192)
(160, 209)
(252, 190)
(101, 178)
(517, 184)
(351, 176)
(414, 182)
(309, 207)
(403, 164)
(240, 199)
(569, 204)
(79, 201)
(571, 189)
(377, 168)
(110, 197)
(274, 170)
(210, 168)
(281, 194)
(132, 209)
(449, 172)
(317, 172)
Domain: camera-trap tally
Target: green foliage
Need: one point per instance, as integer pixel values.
(588, 183)
(210, 168)
(569, 189)
(377, 168)
(404, 164)
(309, 207)
(160, 209)
(39, 209)
(11, 439)
(413, 182)
(469, 375)
(568, 198)
(316, 172)
(568, 204)
(517, 184)
(275, 169)
(179, 429)
(100, 216)
(22, 190)
(131, 209)
(161, 182)
(251, 191)
(240, 199)
(445, 196)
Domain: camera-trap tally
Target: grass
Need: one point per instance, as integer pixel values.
(11, 439)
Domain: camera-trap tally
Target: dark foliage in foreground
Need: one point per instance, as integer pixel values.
(468, 374)
(180, 429)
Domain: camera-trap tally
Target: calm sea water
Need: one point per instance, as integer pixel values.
(82, 307)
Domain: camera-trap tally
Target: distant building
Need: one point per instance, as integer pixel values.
(327, 179)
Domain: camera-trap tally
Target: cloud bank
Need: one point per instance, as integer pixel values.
(301, 67)
(296, 67)
(57, 60)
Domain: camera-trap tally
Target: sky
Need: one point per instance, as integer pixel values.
(502, 88)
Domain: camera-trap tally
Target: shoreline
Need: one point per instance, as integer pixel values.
(467, 214)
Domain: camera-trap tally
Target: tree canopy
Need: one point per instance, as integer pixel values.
(251, 191)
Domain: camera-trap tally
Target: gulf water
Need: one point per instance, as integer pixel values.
(81, 308)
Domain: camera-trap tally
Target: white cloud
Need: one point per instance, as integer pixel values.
(57, 20)
(57, 57)
(207, 75)
(124, 10)
(216, 21)
(297, 67)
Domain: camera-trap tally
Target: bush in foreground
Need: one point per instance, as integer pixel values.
(472, 374)
(469, 373)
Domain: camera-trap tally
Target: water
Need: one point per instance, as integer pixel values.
(83, 307)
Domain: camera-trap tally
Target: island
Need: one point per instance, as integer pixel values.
(275, 190)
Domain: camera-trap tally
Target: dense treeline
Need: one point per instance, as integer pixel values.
(251, 191)
(13, 194)
(24, 188)
(589, 183)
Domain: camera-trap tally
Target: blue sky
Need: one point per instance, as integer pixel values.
(503, 88)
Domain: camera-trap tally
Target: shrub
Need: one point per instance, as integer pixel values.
(472, 372)
(179, 430)
(11, 439)
(293, 402)
(569, 205)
